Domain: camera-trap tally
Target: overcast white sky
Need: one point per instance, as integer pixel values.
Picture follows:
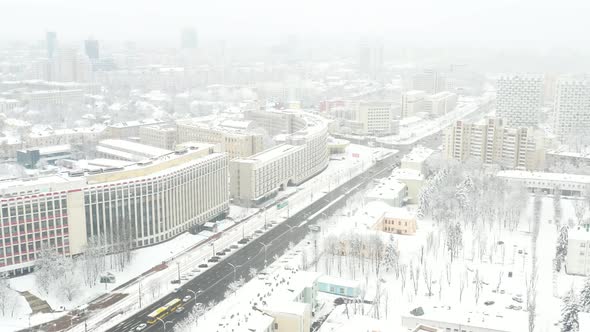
(495, 22)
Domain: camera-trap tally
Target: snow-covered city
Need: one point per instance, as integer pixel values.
(261, 166)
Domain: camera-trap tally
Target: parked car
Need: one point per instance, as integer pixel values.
(227, 250)
(195, 270)
(179, 310)
(517, 299)
(176, 290)
(234, 246)
(220, 253)
(203, 266)
(141, 327)
(175, 281)
(186, 298)
(243, 241)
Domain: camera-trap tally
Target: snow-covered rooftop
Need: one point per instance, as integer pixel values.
(418, 154)
(339, 281)
(401, 213)
(561, 177)
(580, 234)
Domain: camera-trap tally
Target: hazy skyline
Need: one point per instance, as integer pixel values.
(492, 23)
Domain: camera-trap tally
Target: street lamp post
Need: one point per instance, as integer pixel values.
(164, 322)
(194, 293)
(264, 245)
(235, 268)
(213, 246)
(178, 268)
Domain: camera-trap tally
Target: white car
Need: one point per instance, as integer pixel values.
(186, 298)
(141, 327)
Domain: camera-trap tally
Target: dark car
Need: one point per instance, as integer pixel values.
(220, 253)
(227, 250)
(234, 246)
(175, 281)
(214, 259)
(203, 265)
(242, 241)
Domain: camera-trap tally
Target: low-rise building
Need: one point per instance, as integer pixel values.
(125, 150)
(390, 191)
(416, 159)
(440, 103)
(578, 251)
(160, 136)
(412, 103)
(397, 221)
(127, 129)
(568, 184)
(413, 179)
(339, 286)
(49, 154)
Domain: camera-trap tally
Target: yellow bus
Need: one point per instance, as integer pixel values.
(164, 311)
(159, 313)
(173, 304)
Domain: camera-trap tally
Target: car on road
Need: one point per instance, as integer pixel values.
(220, 253)
(186, 298)
(203, 266)
(179, 310)
(176, 290)
(141, 327)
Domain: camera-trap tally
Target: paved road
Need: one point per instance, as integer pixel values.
(211, 284)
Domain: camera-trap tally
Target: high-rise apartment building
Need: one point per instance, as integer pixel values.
(371, 58)
(91, 48)
(51, 43)
(188, 38)
(491, 142)
(572, 108)
(375, 116)
(519, 99)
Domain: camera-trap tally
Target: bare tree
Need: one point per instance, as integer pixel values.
(531, 299)
(462, 284)
(428, 279)
(415, 277)
(69, 285)
(478, 283)
(252, 272)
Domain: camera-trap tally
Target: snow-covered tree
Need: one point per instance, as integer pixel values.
(579, 210)
(454, 239)
(561, 247)
(569, 313)
(391, 258)
(585, 296)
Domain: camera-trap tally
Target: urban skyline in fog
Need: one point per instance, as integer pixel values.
(522, 24)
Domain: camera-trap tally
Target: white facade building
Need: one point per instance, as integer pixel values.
(125, 150)
(578, 252)
(440, 103)
(412, 103)
(519, 99)
(142, 204)
(572, 109)
(303, 155)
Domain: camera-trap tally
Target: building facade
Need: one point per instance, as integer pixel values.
(146, 203)
(303, 154)
(412, 103)
(397, 221)
(160, 136)
(572, 109)
(568, 184)
(577, 261)
(491, 142)
(519, 99)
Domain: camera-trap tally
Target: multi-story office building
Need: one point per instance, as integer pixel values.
(577, 260)
(85, 136)
(303, 154)
(7, 105)
(160, 136)
(572, 109)
(519, 99)
(412, 103)
(371, 58)
(50, 99)
(440, 103)
(375, 116)
(490, 142)
(188, 38)
(148, 202)
(430, 81)
(233, 137)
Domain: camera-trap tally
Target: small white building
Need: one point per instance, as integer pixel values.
(390, 191)
(413, 179)
(416, 159)
(578, 252)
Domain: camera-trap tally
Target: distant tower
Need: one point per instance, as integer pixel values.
(188, 38)
(51, 43)
(519, 99)
(371, 58)
(92, 50)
